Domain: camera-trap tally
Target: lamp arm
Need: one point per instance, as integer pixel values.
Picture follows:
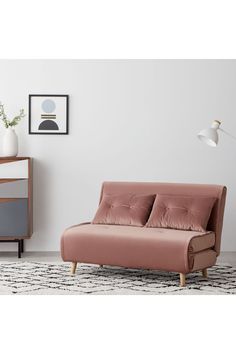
(232, 136)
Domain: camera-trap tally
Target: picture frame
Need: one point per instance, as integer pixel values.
(48, 114)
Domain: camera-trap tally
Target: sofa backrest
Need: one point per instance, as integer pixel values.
(219, 192)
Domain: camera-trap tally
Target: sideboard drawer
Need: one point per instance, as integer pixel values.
(10, 188)
(14, 169)
(13, 217)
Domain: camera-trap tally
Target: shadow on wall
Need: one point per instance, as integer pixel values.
(40, 193)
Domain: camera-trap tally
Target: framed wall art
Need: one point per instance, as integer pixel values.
(48, 114)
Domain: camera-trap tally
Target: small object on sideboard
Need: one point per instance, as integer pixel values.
(15, 200)
(10, 139)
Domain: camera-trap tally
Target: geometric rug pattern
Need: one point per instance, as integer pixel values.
(42, 278)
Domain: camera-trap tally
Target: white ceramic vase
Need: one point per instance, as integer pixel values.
(10, 143)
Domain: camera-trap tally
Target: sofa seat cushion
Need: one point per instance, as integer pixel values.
(134, 247)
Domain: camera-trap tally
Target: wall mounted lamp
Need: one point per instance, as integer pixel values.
(210, 135)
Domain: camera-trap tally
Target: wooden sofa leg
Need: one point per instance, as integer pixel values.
(182, 279)
(204, 273)
(73, 267)
(101, 265)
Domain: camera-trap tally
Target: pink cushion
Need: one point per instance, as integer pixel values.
(181, 212)
(124, 209)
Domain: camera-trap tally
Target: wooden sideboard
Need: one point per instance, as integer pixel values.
(15, 200)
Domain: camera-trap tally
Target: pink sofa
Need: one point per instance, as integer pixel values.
(151, 248)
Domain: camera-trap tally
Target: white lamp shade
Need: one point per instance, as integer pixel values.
(210, 135)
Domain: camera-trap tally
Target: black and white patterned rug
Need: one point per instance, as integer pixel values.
(41, 278)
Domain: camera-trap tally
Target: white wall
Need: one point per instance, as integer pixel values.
(129, 120)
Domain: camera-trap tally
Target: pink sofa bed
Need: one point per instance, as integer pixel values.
(160, 248)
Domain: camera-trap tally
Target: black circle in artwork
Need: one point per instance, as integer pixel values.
(48, 125)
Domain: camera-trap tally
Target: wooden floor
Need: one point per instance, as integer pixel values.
(225, 257)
